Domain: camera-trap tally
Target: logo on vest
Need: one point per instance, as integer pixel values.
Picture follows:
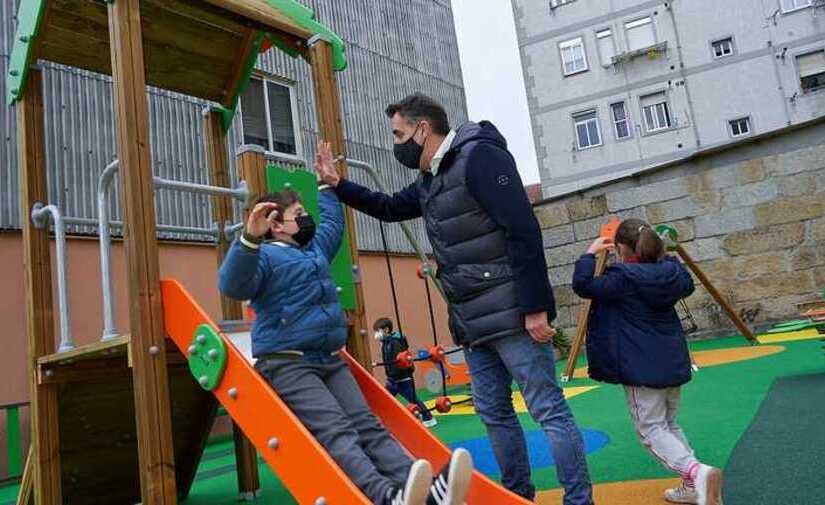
(503, 180)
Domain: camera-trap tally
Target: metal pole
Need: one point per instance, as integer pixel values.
(105, 180)
(240, 193)
(40, 217)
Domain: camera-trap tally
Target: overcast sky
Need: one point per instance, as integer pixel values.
(493, 79)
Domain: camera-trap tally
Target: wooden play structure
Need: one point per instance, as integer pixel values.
(125, 420)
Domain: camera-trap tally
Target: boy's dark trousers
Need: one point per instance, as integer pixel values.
(321, 391)
(406, 388)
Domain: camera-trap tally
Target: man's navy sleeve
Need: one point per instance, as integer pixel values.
(399, 206)
(494, 182)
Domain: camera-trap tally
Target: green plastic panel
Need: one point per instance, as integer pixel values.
(305, 184)
(13, 457)
(669, 235)
(207, 357)
(29, 18)
(305, 18)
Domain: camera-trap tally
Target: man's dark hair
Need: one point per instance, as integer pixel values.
(382, 323)
(284, 199)
(418, 107)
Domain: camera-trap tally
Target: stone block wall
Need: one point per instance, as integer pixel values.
(752, 215)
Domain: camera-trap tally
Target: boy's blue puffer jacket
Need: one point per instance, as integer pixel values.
(291, 289)
(635, 337)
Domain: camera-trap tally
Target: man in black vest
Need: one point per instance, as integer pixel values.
(490, 257)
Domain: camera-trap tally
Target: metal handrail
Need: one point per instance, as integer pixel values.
(40, 218)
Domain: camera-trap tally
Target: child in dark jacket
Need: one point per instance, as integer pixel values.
(300, 328)
(399, 380)
(635, 339)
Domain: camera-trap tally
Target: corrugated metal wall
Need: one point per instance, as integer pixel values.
(394, 48)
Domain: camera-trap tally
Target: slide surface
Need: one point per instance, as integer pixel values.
(284, 443)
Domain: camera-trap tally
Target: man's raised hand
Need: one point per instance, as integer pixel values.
(325, 164)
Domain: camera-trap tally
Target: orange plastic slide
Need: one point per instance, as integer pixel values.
(294, 455)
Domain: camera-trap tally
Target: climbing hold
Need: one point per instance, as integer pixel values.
(233, 393)
(414, 409)
(669, 235)
(208, 363)
(443, 405)
(287, 185)
(272, 443)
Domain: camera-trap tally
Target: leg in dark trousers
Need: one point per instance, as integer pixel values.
(406, 388)
(340, 421)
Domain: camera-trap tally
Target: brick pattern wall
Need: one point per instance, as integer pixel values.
(753, 216)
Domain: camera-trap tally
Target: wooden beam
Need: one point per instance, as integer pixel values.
(246, 46)
(38, 282)
(734, 317)
(582, 323)
(24, 494)
(151, 384)
(217, 157)
(331, 128)
(261, 12)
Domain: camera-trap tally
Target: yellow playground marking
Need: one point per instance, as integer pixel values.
(633, 492)
(716, 357)
(518, 401)
(789, 336)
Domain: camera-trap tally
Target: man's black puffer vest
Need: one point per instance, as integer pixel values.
(469, 247)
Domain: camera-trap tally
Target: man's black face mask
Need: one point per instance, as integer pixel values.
(408, 153)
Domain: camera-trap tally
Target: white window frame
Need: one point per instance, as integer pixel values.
(722, 40)
(748, 122)
(555, 4)
(293, 103)
(602, 34)
(796, 6)
(569, 43)
(657, 126)
(799, 72)
(626, 120)
(594, 119)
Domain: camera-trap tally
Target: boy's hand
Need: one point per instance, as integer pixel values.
(601, 244)
(538, 327)
(325, 165)
(262, 215)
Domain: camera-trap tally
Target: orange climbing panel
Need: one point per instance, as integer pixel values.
(285, 444)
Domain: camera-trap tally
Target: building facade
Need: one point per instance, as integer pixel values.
(616, 86)
(393, 48)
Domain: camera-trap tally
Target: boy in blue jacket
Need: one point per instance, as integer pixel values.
(635, 339)
(281, 264)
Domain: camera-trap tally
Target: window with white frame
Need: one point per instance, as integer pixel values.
(656, 112)
(588, 133)
(621, 121)
(792, 5)
(559, 3)
(267, 116)
(573, 57)
(740, 126)
(722, 47)
(639, 33)
(811, 68)
(607, 49)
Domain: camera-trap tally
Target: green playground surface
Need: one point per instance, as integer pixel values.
(721, 404)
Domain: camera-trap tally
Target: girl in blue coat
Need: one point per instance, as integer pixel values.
(635, 339)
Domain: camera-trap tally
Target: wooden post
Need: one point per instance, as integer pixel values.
(246, 458)
(582, 322)
(331, 128)
(147, 350)
(24, 494)
(737, 321)
(38, 280)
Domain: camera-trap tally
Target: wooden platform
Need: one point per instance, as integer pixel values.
(98, 440)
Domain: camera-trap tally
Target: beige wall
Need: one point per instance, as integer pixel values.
(195, 266)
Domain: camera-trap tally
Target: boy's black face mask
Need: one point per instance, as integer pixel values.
(408, 153)
(306, 230)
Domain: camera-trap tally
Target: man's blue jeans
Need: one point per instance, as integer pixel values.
(493, 368)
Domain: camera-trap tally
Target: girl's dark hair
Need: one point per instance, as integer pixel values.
(383, 323)
(284, 199)
(642, 239)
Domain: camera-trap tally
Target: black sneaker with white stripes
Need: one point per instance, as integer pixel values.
(452, 482)
(415, 490)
